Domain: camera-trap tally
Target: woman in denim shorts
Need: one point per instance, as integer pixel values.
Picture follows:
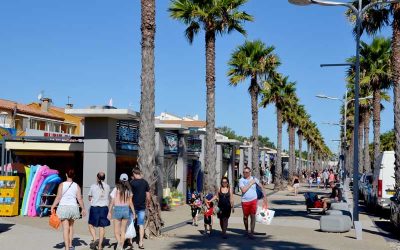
(121, 202)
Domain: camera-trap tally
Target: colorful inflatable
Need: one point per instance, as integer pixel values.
(41, 174)
(47, 187)
(39, 180)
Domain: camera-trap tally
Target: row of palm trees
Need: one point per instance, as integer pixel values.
(219, 17)
(380, 70)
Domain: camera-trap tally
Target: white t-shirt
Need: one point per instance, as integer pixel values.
(118, 200)
(251, 193)
(69, 192)
(100, 197)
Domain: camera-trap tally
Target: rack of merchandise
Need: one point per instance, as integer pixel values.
(9, 195)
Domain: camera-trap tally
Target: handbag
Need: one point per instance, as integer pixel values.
(54, 221)
(264, 216)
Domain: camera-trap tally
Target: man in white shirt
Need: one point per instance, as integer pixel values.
(247, 185)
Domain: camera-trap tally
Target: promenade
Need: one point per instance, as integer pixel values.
(292, 228)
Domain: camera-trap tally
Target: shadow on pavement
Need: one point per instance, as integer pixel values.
(288, 202)
(4, 227)
(235, 242)
(76, 242)
(296, 213)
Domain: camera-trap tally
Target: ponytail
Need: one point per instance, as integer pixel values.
(100, 178)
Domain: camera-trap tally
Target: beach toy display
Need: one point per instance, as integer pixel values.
(40, 180)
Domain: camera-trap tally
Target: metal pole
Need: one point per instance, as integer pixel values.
(356, 114)
(345, 136)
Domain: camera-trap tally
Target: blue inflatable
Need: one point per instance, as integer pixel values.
(47, 187)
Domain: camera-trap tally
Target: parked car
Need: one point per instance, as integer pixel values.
(383, 181)
(395, 209)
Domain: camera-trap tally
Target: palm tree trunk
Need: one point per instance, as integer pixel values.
(146, 159)
(308, 156)
(377, 122)
(254, 90)
(360, 144)
(210, 182)
(351, 158)
(300, 136)
(278, 167)
(367, 162)
(292, 155)
(396, 88)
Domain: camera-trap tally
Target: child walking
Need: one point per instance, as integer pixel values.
(208, 216)
(195, 204)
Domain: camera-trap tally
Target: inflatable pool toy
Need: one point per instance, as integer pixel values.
(27, 172)
(35, 186)
(47, 187)
(32, 173)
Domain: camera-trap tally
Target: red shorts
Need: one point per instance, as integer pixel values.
(249, 207)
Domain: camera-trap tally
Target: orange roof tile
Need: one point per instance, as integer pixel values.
(191, 124)
(25, 109)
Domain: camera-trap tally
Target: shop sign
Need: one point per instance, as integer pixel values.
(170, 143)
(227, 152)
(127, 135)
(193, 144)
(7, 132)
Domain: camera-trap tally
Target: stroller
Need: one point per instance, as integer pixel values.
(313, 203)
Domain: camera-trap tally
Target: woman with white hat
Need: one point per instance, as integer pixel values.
(121, 201)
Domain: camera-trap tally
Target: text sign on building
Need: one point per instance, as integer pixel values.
(127, 135)
(193, 144)
(170, 143)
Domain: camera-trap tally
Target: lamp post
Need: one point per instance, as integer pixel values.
(359, 13)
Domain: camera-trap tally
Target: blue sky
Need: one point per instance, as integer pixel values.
(90, 50)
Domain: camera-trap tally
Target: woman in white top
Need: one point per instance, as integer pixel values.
(118, 210)
(99, 194)
(68, 194)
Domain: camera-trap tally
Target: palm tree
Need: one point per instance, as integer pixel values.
(375, 19)
(276, 90)
(303, 118)
(146, 160)
(252, 60)
(214, 17)
(290, 113)
(376, 72)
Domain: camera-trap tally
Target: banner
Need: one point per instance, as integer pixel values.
(170, 143)
(7, 132)
(127, 135)
(193, 144)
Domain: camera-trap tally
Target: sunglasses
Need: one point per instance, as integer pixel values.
(246, 172)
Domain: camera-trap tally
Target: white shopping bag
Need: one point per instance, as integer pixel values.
(130, 229)
(264, 216)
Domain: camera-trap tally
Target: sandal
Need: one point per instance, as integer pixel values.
(141, 247)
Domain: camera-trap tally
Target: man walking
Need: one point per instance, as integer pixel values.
(247, 185)
(141, 199)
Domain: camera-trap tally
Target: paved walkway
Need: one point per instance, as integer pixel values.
(292, 228)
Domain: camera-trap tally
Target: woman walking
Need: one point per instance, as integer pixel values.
(99, 201)
(225, 204)
(296, 184)
(121, 201)
(68, 194)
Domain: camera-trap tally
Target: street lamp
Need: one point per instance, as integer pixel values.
(359, 13)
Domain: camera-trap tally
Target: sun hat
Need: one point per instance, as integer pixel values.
(123, 177)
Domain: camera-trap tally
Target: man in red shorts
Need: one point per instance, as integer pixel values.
(247, 185)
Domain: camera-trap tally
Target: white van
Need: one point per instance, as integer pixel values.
(383, 180)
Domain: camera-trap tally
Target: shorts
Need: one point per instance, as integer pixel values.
(249, 208)
(318, 182)
(296, 185)
(195, 211)
(121, 212)
(65, 212)
(98, 217)
(207, 220)
(140, 216)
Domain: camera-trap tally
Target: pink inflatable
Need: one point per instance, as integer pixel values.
(39, 177)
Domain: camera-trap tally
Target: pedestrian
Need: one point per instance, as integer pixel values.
(121, 202)
(99, 194)
(336, 196)
(310, 181)
(225, 204)
(296, 184)
(326, 177)
(208, 213)
(68, 193)
(195, 208)
(141, 200)
(248, 187)
(331, 177)
(318, 179)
